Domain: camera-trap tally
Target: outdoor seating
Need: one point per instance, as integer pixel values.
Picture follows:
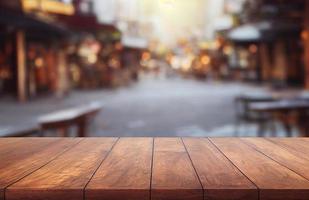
(64, 119)
(30, 129)
(290, 112)
(245, 116)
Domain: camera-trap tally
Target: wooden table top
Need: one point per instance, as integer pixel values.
(283, 105)
(154, 168)
(70, 113)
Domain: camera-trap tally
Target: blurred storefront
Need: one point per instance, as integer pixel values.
(31, 48)
(48, 47)
(268, 53)
(96, 55)
(266, 44)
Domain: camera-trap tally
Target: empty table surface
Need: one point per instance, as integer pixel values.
(283, 105)
(154, 168)
(70, 114)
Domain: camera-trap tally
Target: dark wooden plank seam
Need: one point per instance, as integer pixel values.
(42, 166)
(84, 190)
(151, 169)
(283, 146)
(193, 167)
(273, 159)
(258, 189)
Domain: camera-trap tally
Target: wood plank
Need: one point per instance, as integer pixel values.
(65, 177)
(173, 176)
(273, 180)
(299, 145)
(27, 155)
(219, 177)
(9, 144)
(126, 172)
(281, 155)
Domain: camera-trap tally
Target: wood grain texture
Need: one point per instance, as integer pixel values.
(281, 155)
(299, 146)
(25, 155)
(66, 176)
(126, 172)
(273, 180)
(219, 177)
(173, 176)
(156, 169)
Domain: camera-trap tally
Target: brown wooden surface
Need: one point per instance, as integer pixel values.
(66, 176)
(217, 174)
(281, 155)
(26, 155)
(273, 180)
(154, 168)
(173, 175)
(126, 172)
(299, 145)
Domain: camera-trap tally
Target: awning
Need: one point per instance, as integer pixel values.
(134, 42)
(85, 23)
(31, 24)
(262, 31)
(248, 32)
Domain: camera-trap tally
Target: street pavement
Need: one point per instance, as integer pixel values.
(154, 106)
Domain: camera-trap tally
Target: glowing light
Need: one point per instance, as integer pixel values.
(304, 35)
(92, 58)
(253, 48)
(48, 6)
(204, 45)
(186, 66)
(205, 60)
(227, 50)
(39, 62)
(146, 56)
(175, 63)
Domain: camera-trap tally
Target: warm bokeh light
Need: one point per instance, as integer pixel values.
(146, 56)
(205, 60)
(253, 48)
(304, 35)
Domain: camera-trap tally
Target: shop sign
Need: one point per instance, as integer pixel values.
(50, 6)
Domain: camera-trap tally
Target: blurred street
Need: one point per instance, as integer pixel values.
(152, 107)
(157, 67)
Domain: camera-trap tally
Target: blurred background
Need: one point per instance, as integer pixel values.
(154, 68)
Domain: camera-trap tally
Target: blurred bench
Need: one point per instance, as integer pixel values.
(245, 116)
(64, 119)
(289, 112)
(30, 129)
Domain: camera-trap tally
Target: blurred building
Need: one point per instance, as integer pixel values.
(92, 47)
(32, 57)
(98, 58)
(269, 42)
(49, 46)
(165, 21)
